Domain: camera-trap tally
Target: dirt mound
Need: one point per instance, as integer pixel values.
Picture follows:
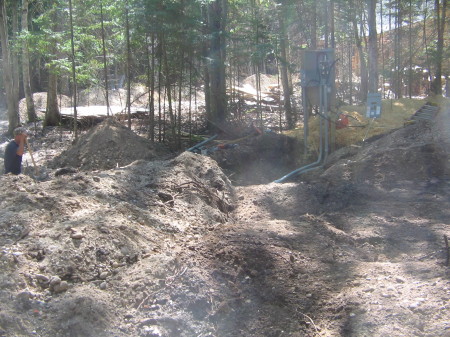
(266, 81)
(116, 97)
(409, 153)
(106, 146)
(83, 253)
(40, 104)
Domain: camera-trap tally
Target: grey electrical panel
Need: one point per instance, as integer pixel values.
(373, 105)
(318, 68)
(313, 64)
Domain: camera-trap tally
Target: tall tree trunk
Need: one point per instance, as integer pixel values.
(52, 113)
(398, 78)
(31, 112)
(425, 43)
(105, 64)
(314, 26)
(151, 85)
(14, 52)
(410, 67)
(373, 48)
(180, 93)
(332, 32)
(362, 62)
(382, 49)
(128, 70)
(13, 112)
(168, 87)
(160, 53)
(74, 74)
(436, 86)
(290, 120)
(217, 22)
(350, 69)
(326, 22)
(206, 77)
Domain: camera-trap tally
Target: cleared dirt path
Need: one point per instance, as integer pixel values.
(342, 257)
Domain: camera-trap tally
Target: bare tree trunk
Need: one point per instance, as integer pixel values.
(206, 77)
(290, 121)
(151, 85)
(105, 64)
(382, 48)
(398, 79)
(13, 113)
(31, 112)
(326, 23)
(217, 23)
(314, 26)
(350, 70)
(410, 78)
(333, 39)
(14, 52)
(436, 86)
(159, 92)
(168, 90)
(74, 74)
(363, 67)
(180, 92)
(373, 48)
(52, 114)
(425, 43)
(127, 34)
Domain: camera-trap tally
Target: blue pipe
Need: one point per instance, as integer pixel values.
(318, 163)
(195, 147)
(308, 167)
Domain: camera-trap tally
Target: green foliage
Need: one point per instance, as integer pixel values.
(179, 29)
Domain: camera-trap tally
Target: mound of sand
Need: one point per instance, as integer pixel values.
(117, 97)
(266, 81)
(106, 146)
(40, 104)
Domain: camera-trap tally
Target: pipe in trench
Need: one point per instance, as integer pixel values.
(196, 147)
(311, 166)
(323, 136)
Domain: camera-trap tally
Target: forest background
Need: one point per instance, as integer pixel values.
(177, 48)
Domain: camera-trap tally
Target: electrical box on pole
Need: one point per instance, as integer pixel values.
(373, 105)
(317, 79)
(318, 68)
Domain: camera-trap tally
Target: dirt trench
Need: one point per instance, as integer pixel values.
(171, 248)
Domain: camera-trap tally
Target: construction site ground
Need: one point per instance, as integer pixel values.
(116, 236)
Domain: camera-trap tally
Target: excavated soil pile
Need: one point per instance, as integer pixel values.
(82, 252)
(106, 146)
(40, 104)
(412, 152)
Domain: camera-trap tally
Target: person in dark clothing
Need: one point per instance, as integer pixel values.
(14, 151)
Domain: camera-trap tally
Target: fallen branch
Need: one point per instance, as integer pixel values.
(213, 198)
(312, 322)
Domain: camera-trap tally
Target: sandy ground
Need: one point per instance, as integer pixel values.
(170, 247)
